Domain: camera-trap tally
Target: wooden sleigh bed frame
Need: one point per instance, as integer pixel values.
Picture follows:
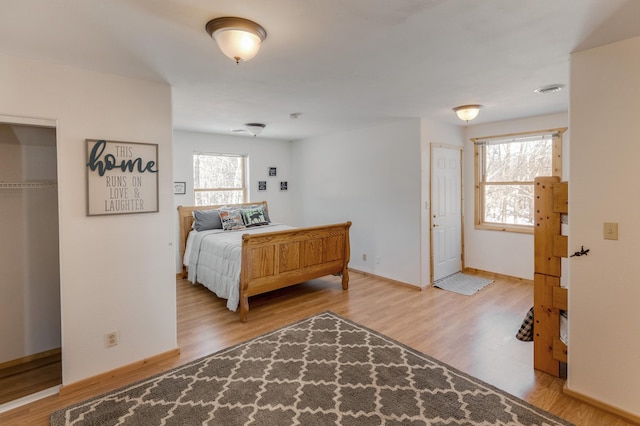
(549, 298)
(275, 260)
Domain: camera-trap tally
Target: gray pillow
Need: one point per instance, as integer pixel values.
(206, 219)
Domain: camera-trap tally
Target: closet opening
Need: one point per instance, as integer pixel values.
(30, 330)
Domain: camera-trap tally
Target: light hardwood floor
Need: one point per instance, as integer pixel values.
(472, 333)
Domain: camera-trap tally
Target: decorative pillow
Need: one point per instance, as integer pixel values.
(261, 207)
(206, 219)
(231, 219)
(254, 216)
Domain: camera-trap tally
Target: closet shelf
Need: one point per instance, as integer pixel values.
(27, 185)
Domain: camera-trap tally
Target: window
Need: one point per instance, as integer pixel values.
(505, 170)
(219, 179)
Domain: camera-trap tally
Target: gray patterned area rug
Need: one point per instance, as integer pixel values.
(462, 283)
(324, 370)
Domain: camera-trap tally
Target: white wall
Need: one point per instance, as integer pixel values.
(507, 253)
(116, 271)
(371, 177)
(263, 153)
(604, 336)
(376, 177)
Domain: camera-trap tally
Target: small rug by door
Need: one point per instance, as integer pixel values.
(324, 370)
(463, 283)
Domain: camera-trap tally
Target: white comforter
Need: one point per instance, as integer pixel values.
(213, 259)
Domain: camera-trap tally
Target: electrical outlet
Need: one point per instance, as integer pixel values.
(364, 257)
(111, 339)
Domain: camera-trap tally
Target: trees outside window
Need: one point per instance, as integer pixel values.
(219, 179)
(505, 170)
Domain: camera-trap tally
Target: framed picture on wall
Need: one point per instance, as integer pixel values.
(179, 188)
(284, 186)
(262, 185)
(122, 177)
(273, 171)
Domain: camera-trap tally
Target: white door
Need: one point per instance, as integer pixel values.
(446, 211)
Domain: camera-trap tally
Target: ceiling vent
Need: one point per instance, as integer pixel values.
(552, 88)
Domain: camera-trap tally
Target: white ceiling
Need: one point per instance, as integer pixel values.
(342, 63)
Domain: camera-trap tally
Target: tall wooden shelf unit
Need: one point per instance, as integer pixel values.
(549, 298)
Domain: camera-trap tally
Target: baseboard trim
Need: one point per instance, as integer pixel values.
(80, 384)
(30, 358)
(633, 418)
(369, 274)
(496, 275)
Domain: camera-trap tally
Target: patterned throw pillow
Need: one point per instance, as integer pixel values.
(262, 207)
(254, 216)
(231, 219)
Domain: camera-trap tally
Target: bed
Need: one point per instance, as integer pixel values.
(261, 257)
(549, 296)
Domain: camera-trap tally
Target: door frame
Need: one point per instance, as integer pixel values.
(55, 389)
(433, 145)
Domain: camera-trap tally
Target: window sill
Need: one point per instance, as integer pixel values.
(520, 229)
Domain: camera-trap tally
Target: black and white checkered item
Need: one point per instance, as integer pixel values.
(526, 329)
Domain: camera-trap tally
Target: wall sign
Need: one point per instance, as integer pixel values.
(122, 177)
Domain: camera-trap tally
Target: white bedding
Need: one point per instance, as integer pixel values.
(564, 332)
(213, 259)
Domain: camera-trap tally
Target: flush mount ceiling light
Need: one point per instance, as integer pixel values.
(467, 112)
(254, 129)
(552, 88)
(238, 38)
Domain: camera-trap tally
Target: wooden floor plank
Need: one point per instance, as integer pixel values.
(30, 377)
(475, 334)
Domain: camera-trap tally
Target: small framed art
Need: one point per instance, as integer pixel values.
(284, 186)
(179, 187)
(273, 171)
(262, 185)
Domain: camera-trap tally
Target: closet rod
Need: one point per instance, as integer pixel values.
(23, 185)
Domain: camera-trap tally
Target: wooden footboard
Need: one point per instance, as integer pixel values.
(275, 260)
(279, 259)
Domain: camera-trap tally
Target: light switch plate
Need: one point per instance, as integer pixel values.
(610, 231)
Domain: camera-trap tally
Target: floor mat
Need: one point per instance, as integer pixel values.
(463, 283)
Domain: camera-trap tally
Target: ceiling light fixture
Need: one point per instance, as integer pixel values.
(467, 112)
(255, 128)
(238, 38)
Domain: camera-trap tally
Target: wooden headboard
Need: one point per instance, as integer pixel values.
(185, 221)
